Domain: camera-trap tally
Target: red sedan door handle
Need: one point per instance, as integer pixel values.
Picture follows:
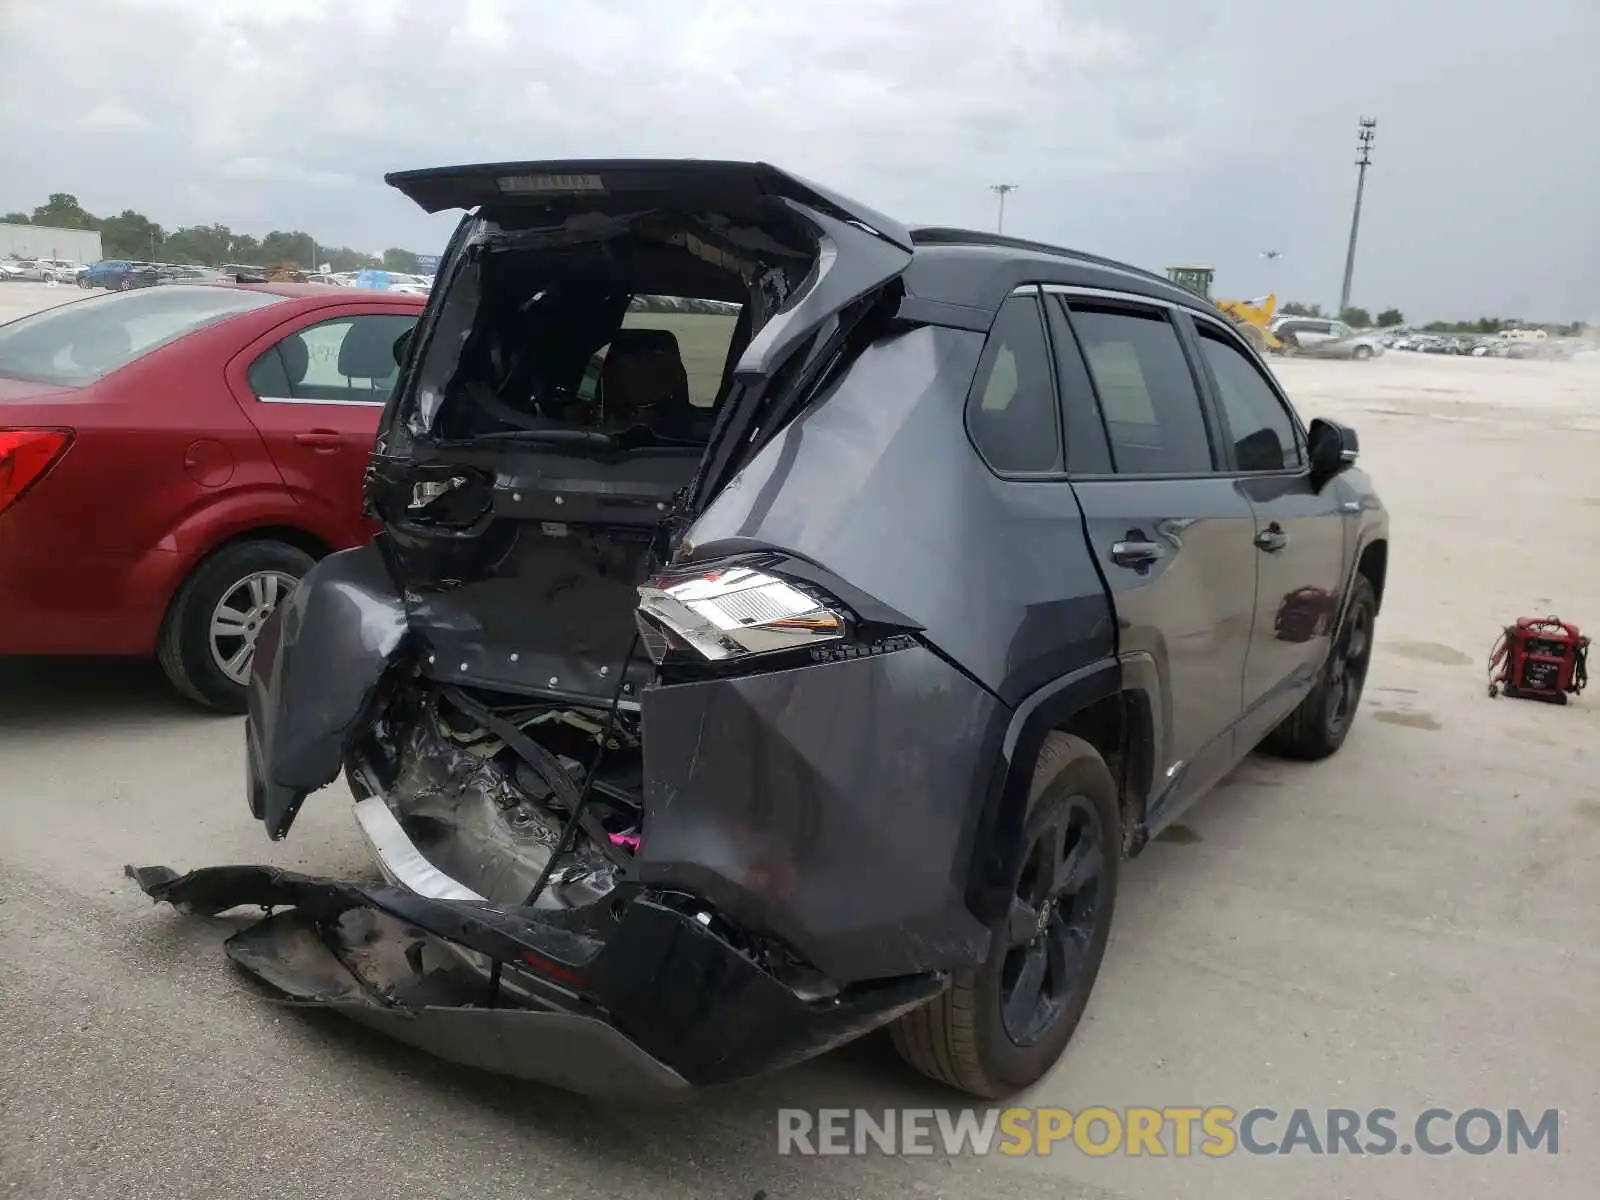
(323, 441)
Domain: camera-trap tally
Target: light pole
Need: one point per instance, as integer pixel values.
(1000, 189)
(1363, 161)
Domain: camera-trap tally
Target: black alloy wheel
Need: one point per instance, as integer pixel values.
(1347, 667)
(1322, 721)
(1052, 921)
(1004, 1023)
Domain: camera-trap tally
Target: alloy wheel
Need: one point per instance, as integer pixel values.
(237, 619)
(1052, 922)
(1348, 667)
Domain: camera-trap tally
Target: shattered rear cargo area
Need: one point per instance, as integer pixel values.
(491, 814)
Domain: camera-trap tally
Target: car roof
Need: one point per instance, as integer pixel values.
(976, 269)
(314, 291)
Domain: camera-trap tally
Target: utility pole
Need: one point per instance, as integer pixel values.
(1363, 161)
(1000, 189)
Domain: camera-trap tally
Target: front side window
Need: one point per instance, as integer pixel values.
(75, 344)
(345, 360)
(1147, 393)
(1011, 410)
(1263, 432)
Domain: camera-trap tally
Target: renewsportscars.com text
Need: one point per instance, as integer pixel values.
(1216, 1131)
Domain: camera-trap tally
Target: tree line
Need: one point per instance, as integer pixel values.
(133, 235)
(1389, 317)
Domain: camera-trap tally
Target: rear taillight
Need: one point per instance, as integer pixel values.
(725, 613)
(25, 457)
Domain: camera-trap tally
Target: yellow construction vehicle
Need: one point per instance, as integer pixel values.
(1253, 317)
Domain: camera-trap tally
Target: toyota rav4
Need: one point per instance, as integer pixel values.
(784, 624)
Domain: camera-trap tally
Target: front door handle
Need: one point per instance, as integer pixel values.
(322, 440)
(1272, 538)
(1136, 554)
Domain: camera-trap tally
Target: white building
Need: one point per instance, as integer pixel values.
(46, 241)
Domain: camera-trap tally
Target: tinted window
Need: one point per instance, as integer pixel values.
(1011, 411)
(1087, 451)
(1263, 433)
(343, 360)
(1146, 391)
(78, 343)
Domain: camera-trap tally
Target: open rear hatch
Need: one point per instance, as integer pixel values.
(608, 342)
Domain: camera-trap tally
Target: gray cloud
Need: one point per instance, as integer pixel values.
(1157, 130)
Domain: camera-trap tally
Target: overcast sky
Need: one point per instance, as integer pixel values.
(1158, 131)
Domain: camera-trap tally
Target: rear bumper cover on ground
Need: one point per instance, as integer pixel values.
(662, 1004)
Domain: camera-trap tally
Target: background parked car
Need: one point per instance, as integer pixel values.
(31, 270)
(1325, 339)
(172, 461)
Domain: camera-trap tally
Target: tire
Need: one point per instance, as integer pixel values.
(186, 649)
(965, 1037)
(1361, 353)
(124, 284)
(1253, 335)
(1322, 721)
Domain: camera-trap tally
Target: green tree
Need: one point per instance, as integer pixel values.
(1391, 316)
(130, 235)
(63, 211)
(134, 235)
(342, 258)
(396, 259)
(243, 248)
(1359, 317)
(1295, 309)
(291, 246)
(200, 245)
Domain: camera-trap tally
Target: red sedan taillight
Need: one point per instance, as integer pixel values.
(25, 456)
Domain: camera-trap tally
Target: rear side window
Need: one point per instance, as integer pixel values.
(346, 360)
(1011, 410)
(76, 344)
(1263, 433)
(1147, 393)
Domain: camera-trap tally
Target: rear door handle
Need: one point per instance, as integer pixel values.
(320, 439)
(1134, 554)
(1272, 539)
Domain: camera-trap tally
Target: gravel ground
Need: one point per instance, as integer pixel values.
(1409, 924)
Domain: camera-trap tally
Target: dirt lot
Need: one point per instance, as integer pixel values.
(1409, 924)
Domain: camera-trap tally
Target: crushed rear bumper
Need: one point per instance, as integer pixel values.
(662, 1003)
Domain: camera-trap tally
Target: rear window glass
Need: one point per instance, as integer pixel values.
(76, 344)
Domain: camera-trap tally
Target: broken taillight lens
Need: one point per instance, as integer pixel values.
(25, 456)
(733, 612)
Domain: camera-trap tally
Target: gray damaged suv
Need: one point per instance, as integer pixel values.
(784, 623)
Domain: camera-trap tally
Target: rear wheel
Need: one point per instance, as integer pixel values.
(1001, 1026)
(209, 636)
(1320, 724)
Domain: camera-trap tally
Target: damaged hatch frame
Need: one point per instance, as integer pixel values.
(323, 655)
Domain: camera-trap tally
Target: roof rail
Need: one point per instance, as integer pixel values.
(941, 236)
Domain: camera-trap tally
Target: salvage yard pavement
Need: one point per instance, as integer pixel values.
(1406, 925)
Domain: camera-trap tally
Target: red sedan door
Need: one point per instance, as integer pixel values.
(315, 387)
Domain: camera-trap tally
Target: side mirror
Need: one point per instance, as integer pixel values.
(1333, 447)
(401, 345)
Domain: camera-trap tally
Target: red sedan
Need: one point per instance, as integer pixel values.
(172, 461)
